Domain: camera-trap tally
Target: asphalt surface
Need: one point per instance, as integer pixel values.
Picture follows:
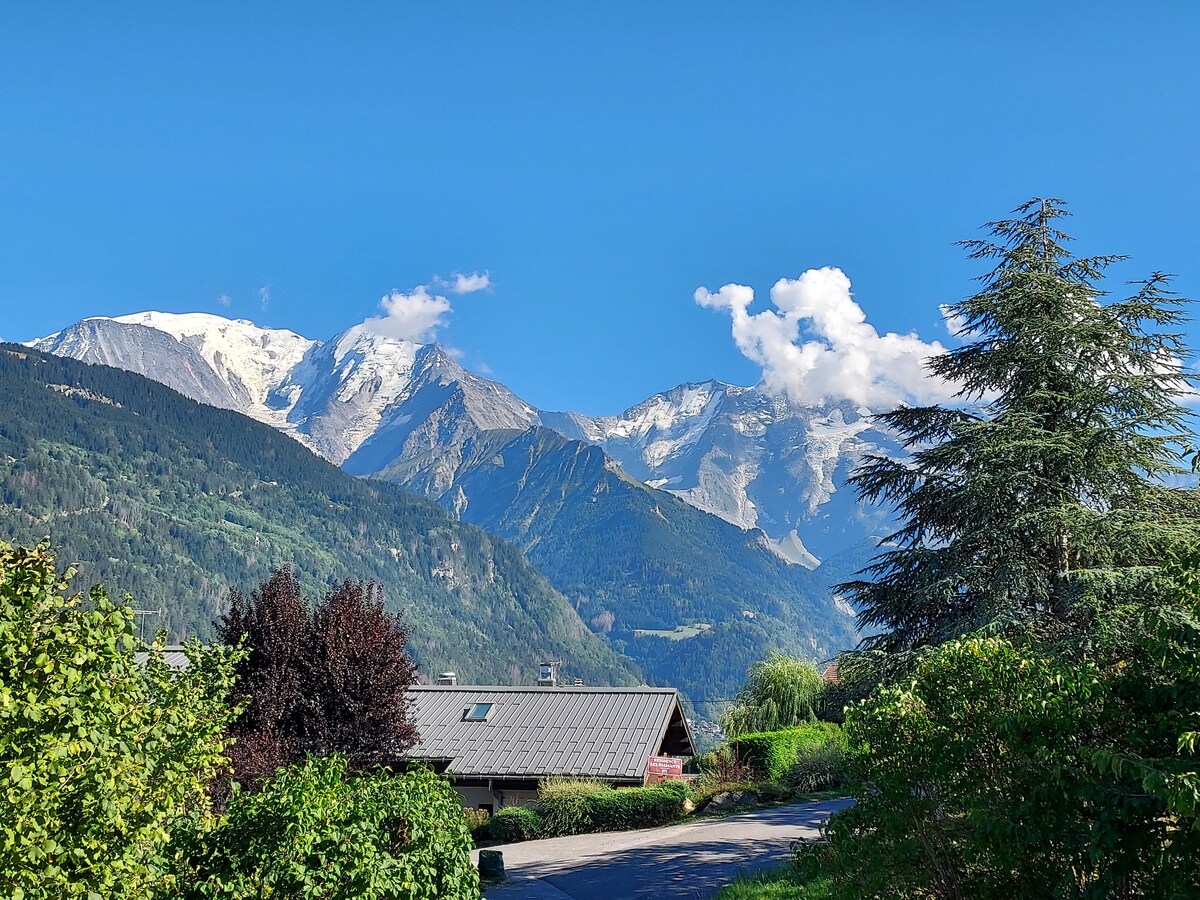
(680, 862)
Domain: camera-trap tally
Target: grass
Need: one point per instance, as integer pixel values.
(678, 633)
(784, 883)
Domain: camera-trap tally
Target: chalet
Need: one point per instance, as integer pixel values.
(498, 742)
(174, 655)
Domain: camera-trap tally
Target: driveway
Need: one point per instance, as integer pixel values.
(691, 861)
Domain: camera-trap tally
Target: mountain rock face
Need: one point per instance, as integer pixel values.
(227, 363)
(695, 530)
(752, 459)
(359, 395)
(629, 557)
(372, 404)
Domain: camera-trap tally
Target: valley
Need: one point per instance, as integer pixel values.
(708, 503)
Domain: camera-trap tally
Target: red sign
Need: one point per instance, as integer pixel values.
(665, 765)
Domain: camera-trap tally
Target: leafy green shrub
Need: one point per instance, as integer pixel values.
(819, 768)
(780, 692)
(979, 778)
(560, 803)
(720, 770)
(772, 791)
(517, 823)
(479, 823)
(722, 766)
(100, 758)
(771, 754)
(639, 807)
(314, 831)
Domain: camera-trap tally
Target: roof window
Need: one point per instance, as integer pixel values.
(477, 713)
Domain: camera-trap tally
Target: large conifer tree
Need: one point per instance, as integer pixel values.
(1041, 490)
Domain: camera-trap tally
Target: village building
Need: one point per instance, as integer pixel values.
(498, 742)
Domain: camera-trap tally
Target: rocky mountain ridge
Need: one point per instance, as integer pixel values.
(373, 403)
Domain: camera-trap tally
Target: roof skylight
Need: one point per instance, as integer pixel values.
(477, 713)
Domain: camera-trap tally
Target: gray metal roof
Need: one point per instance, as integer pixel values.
(172, 655)
(531, 732)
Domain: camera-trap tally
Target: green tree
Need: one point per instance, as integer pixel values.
(1034, 735)
(1041, 494)
(780, 692)
(100, 758)
(1001, 771)
(316, 832)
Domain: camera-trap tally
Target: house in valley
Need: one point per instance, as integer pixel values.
(498, 742)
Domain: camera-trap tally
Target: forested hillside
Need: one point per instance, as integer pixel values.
(638, 563)
(153, 494)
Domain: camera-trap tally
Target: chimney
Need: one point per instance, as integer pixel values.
(548, 673)
(447, 678)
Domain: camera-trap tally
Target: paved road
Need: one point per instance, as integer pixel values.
(680, 862)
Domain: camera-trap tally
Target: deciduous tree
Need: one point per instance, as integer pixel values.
(780, 692)
(100, 757)
(330, 679)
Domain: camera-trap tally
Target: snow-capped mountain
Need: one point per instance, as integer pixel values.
(229, 363)
(381, 405)
(360, 394)
(754, 460)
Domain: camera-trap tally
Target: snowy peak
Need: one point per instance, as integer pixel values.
(249, 359)
(338, 393)
(753, 459)
(380, 405)
(332, 396)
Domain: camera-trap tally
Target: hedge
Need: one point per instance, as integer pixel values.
(772, 754)
(560, 803)
(315, 831)
(639, 807)
(516, 823)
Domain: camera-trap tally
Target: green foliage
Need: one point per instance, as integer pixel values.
(577, 806)
(977, 779)
(177, 502)
(1024, 510)
(772, 755)
(789, 882)
(315, 831)
(479, 823)
(723, 766)
(637, 807)
(818, 768)
(100, 758)
(1164, 679)
(517, 823)
(720, 770)
(780, 692)
(560, 803)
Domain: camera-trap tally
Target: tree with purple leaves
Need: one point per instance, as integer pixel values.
(327, 678)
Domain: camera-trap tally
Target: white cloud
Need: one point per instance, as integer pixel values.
(224, 299)
(413, 316)
(460, 284)
(264, 297)
(818, 345)
(956, 325)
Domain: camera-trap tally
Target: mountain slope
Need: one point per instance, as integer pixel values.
(772, 471)
(147, 491)
(634, 560)
(364, 401)
(754, 460)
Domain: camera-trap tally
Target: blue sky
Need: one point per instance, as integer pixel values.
(599, 162)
